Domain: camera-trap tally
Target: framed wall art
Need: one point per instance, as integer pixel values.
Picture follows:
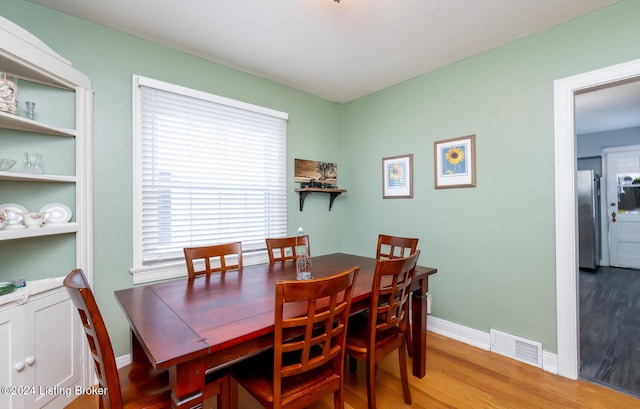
(397, 177)
(455, 162)
(312, 172)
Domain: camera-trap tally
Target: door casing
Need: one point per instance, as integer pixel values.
(568, 340)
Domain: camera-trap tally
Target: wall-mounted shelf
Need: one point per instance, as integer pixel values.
(305, 191)
(45, 230)
(19, 123)
(26, 177)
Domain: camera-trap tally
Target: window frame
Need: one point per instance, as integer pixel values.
(146, 273)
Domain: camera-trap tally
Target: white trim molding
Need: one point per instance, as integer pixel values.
(480, 339)
(565, 206)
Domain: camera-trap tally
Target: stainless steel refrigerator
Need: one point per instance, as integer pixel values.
(588, 189)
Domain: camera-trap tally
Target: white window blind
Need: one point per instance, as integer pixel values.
(211, 170)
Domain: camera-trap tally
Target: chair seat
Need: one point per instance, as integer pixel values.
(256, 375)
(144, 387)
(359, 337)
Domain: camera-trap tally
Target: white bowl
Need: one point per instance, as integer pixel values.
(6, 164)
(34, 219)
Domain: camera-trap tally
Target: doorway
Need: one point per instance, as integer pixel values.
(565, 205)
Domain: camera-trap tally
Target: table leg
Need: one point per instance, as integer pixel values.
(137, 353)
(187, 384)
(419, 328)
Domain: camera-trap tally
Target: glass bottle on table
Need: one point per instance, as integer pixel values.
(303, 259)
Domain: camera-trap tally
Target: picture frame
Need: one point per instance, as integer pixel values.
(455, 162)
(397, 177)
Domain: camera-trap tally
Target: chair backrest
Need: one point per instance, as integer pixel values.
(311, 319)
(389, 302)
(390, 247)
(215, 258)
(97, 335)
(284, 248)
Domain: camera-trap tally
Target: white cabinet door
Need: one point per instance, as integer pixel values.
(54, 359)
(11, 351)
(40, 353)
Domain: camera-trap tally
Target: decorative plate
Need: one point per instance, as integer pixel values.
(11, 212)
(58, 213)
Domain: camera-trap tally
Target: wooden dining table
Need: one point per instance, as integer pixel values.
(192, 326)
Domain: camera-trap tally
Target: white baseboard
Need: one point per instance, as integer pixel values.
(460, 333)
(447, 329)
(480, 339)
(123, 360)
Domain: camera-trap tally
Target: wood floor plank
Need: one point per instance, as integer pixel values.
(462, 376)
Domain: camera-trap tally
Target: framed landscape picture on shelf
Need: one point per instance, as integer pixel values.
(397, 177)
(455, 162)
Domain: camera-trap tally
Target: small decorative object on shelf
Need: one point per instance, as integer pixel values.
(34, 219)
(33, 163)
(6, 164)
(303, 260)
(8, 94)
(30, 109)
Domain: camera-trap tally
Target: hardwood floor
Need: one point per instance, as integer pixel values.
(610, 328)
(462, 376)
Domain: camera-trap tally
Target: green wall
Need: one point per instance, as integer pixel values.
(493, 244)
(110, 59)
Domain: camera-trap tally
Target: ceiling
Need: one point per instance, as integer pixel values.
(615, 106)
(343, 51)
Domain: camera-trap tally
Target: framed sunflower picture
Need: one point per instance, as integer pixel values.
(397, 177)
(455, 162)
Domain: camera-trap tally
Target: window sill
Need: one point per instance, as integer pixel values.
(148, 274)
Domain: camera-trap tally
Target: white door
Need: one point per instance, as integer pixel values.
(623, 199)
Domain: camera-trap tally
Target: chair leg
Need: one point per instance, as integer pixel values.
(338, 399)
(233, 392)
(404, 374)
(371, 384)
(222, 397)
(228, 396)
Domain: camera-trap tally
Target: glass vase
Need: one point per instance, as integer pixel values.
(30, 109)
(303, 265)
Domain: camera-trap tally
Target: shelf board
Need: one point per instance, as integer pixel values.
(45, 230)
(305, 191)
(25, 177)
(320, 189)
(19, 123)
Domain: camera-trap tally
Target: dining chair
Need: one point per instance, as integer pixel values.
(390, 247)
(384, 329)
(307, 359)
(285, 248)
(138, 384)
(395, 246)
(220, 254)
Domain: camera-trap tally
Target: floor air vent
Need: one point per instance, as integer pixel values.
(524, 350)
